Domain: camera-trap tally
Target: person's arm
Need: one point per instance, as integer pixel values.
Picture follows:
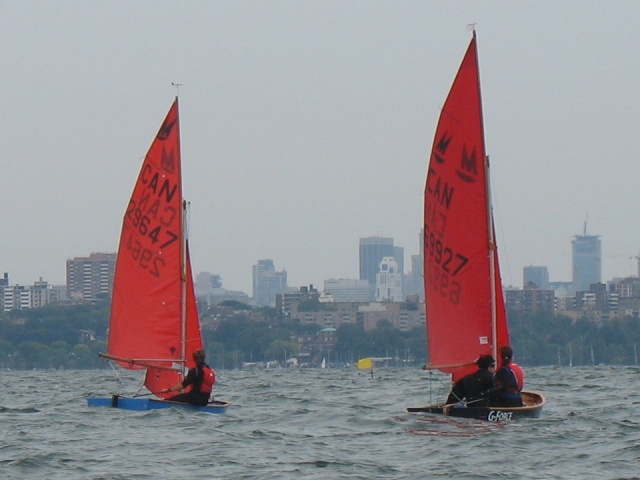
(185, 383)
(174, 388)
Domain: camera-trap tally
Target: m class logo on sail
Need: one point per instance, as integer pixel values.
(468, 171)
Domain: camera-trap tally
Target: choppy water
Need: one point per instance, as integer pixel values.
(318, 424)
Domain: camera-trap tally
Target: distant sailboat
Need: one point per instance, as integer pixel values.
(154, 324)
(465, 309)
(570, 355)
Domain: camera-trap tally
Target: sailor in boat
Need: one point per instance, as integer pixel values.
(507, 351)
(473, 389)
(509, 381)
(201, 378)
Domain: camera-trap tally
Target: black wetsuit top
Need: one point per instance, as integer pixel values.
(472, 387)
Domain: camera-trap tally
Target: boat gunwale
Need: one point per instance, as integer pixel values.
(534, 395)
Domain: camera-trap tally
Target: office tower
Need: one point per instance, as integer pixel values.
(389, 281)
(414, 280)
(536, 275)
(206, 283)
(91, 278)
(587, 262)
(372, 251)
(267, 283)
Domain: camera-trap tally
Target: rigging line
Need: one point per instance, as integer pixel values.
(141, 386)
(438, 386)
(118, 377)
(502, 248)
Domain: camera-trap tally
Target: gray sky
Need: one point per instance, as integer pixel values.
(307, 125)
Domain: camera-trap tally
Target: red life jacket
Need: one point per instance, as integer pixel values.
(208, 379)
(517, 371)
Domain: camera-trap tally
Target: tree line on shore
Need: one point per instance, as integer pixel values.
(72, 336)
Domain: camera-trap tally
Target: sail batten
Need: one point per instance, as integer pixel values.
(463, 294)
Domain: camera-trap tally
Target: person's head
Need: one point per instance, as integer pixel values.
(485, 362)
(198, 355)
(506, 354)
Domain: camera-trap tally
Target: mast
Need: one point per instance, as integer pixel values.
(183, 259)
(492, 268)
(490, 232)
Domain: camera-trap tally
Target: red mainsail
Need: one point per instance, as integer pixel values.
(154, 320)
(463, 292)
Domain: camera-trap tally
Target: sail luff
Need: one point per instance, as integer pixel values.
(183, 254)
(489, 214)
(492, 272)
(183, 285)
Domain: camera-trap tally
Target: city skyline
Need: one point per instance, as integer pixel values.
(583, 254)
(307, 125)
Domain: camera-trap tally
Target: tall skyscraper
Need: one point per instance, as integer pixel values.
(389, 281)
(267, 283)
(90, 278)
(372, 251)
(587, 261)
(414, 281)
(536, 275)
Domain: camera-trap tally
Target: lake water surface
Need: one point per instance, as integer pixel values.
(318, 423)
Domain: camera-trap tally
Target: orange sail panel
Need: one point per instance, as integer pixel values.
(193, 339)
(502, 326)
(458, 231)
(157, 379)
(146, 312)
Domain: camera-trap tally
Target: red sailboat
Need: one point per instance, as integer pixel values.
(466, 315)
(154, 322)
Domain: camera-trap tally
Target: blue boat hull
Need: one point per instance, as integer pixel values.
(143, 404)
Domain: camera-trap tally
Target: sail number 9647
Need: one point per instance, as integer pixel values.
(144, 257)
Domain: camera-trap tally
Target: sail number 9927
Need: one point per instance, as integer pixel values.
(444, 256)
(444, 264)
